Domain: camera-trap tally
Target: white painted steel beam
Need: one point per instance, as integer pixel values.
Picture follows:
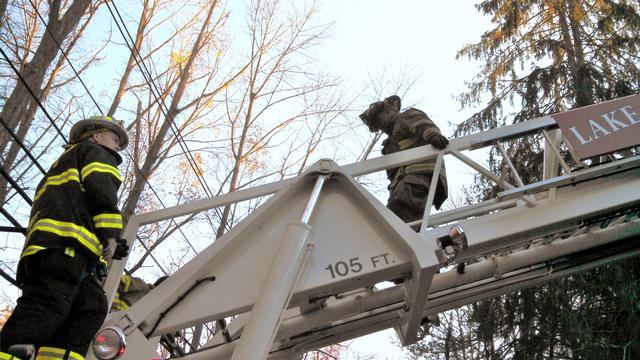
(362, 312)
(276, 290)
(359, 242)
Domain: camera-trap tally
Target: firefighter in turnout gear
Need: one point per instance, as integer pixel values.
(409, 184)
(74, 231)
(130, 290)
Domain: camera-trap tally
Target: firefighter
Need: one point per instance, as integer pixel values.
(130, 290)
(409, 184)
(74, 231)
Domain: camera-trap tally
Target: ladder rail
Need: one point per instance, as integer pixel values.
(490, 251)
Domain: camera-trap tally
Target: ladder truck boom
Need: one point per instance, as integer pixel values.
(302, 270)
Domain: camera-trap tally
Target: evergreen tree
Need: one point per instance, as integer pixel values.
(543, 57)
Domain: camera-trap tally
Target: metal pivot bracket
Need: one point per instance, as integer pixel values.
(273, 261)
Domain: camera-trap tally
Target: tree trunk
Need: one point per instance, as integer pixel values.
(155, 147)
(145, 17)
(572, 42)
(20, 106)
(3, 10)
(236, 166)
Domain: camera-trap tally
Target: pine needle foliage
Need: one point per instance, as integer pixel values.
(542, 57)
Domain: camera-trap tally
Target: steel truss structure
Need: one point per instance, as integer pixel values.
(299, 273)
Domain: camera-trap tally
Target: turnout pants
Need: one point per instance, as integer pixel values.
(61, 307)
(408, 196)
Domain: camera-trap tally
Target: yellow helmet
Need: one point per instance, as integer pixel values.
(96, 123)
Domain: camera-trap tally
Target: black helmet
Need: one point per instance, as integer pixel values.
(370, 116)
(393, 101)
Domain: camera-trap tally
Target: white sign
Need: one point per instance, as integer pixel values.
(602, 128)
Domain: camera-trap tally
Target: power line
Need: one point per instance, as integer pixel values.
(101, 112)
(24, 82)
(152, 85)
(146, 73)
(163, 107)
(26, 197)
(22, 146)
(35, 8)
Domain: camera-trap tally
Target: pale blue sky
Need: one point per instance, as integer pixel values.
(419, 36)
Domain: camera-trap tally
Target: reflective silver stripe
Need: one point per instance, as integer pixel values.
(69, 175)
(31, 249)
(60, 228)
(50, 353)
(5, 356)
(75, 356)
(100, 167)
(113, 221)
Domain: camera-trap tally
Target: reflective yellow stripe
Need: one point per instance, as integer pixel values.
(76, 356)
(99, 167)
(70, 251)
(61, 228)
(100, 117)
(50, 353)
(5, 356)
(119, 304)
(67, 149)
(415, 124)
(126, 280)
(419, 168)
(113, 221)
(31, 249)
(65, 177)
(404, 144)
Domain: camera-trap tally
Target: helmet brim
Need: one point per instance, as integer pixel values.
(82, 126)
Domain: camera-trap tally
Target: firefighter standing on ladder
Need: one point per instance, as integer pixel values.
(409, 184)
(74, 231)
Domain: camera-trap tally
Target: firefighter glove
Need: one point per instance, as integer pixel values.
(438, 141)
(122, 249)
(109, 249)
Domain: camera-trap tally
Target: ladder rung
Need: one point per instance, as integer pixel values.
(587, 174)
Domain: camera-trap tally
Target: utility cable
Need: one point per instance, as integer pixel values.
(13, 184)
(152, 86)
(146, 73)
(10, 279)
(175, 129)
(22, 146)
(28, 87)
(12, 220)
(163, 107)
(46, 25)
(24, 82)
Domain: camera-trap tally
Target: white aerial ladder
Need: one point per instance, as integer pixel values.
(299, 273)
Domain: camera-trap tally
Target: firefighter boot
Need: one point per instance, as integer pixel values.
(49, 353)
(19, 352)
